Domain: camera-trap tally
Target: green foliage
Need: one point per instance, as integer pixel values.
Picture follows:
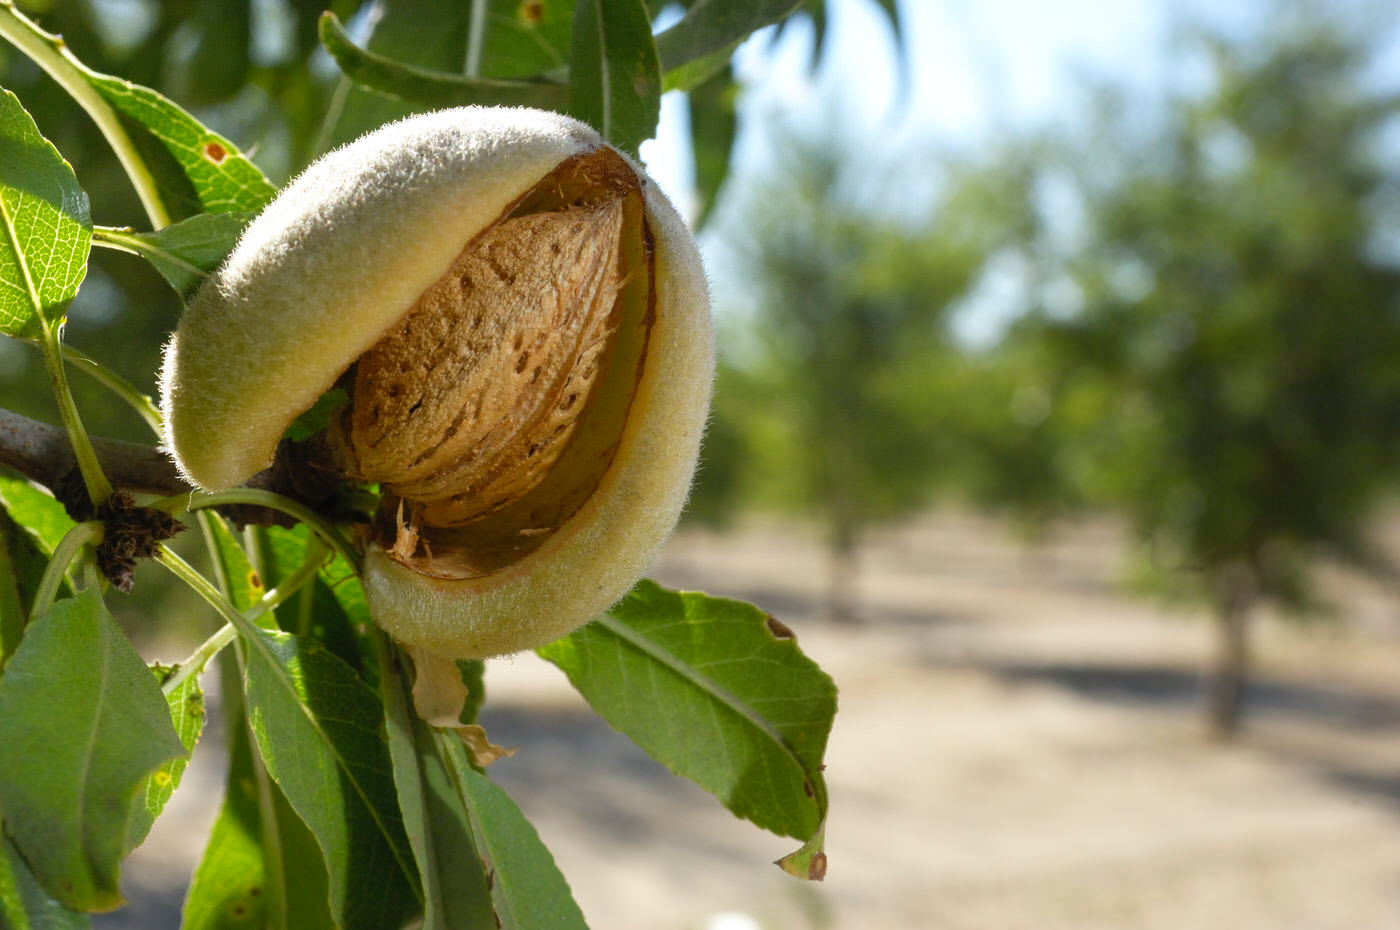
(261, 866)
(195, 170)
(424, 86)
(316, 726)
(343, 809)
(228, 890)
(456, 888)
(714, 27)
(713, 126)
(1027, 426)
(185, 252)
(21, 570)
(838, 384)
(529, 892)
(40, 515)
(717, 691)
(24, 904)
(614, 73)
(43, 256)
(318, 417)
(1234, 303)
(83, 723)
(186, 702)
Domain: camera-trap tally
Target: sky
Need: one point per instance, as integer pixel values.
(974, 68)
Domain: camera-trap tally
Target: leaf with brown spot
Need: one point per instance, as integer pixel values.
(779, 629)
(705, 686)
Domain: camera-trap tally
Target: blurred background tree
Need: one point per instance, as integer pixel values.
(1207, 330)
(841, 377)
(1241, 306)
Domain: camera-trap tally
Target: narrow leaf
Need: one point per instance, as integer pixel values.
(529, 891)
(697, 71)
(711, 26)
(317, 728)
(455, 892)
(473, 672)
(713, 125)
(186, 704)
(82, 722)
(46, 227)
(335, 614)
(187, 252)
(245, 586)
(21, 567)
(718, 692)
(433, 88)
(228, 887)
(24, 904)
(615, 75)
(261, 867)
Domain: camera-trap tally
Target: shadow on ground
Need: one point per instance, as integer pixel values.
(1162, 685)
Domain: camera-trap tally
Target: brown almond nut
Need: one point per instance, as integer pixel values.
(521, 322)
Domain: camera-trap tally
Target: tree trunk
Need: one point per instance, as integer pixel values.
(843, 581)
(1236, 590)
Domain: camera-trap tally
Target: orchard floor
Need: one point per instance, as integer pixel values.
(1018, 746)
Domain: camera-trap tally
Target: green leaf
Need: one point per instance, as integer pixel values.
(21, 567)
(24, 904)
(318, 417)
(519, 39)
(529, 891)
(615, 76)
(195, 169)
(473, 673)
(696, 72)
(331, 609)
(24, 552)
(484, 39)
(228, 890)
(47, 229)
(180, 167)
(187, 252)
(433, 88)
(456, 895)
(809, 861)
(186, 704)
(232, 888)
(42, 516)
(317, 728)
(245, 587)
(83, 723)
(713, 124)
(717, 691)
(711, 26)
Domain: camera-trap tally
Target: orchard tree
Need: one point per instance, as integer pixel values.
(1241, 307)
(843, 350)
(474, 347)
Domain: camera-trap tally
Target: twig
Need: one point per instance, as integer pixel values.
(41, 452)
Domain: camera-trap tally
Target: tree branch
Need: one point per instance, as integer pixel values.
(41, 453)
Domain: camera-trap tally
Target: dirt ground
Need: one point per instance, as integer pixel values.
(1018, 746)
